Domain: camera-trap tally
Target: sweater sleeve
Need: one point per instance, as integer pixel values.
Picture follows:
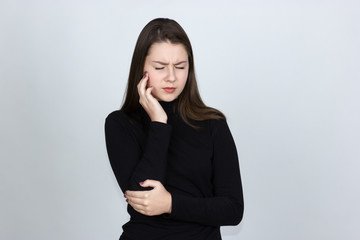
(226, 206)
(132, 164)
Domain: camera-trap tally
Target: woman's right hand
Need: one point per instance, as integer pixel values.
(149, 103)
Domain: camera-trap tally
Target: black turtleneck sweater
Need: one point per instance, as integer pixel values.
(199, 167)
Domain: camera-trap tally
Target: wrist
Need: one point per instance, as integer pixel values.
(162, 120)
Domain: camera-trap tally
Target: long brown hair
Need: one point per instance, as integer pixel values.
(189, 104)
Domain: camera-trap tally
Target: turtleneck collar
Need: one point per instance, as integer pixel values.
(168, 106)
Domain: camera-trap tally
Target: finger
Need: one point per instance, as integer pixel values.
(142, 84)
(138, 201)
(150, 183)
(148, 93)
(137, 194)
(137, 207)
(144, 81)
(141, 89)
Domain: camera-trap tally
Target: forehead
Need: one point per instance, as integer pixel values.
(168, 51)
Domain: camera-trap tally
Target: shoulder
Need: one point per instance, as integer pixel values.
(116, 116)
(120, 119)
(117, 119)
(216, 123)
(218, 126)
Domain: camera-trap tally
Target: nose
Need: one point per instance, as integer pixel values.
(171, 75)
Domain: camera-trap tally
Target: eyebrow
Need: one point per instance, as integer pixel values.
(164, 63)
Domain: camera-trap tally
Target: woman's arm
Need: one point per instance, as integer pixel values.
(227, 205)
(224, 208)
(132, 164)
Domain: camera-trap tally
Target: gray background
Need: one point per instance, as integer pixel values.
(286, 74)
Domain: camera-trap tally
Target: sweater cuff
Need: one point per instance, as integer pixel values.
(161, 131)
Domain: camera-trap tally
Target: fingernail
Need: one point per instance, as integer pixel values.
(145, 73)
(141, 183)
(127, 200)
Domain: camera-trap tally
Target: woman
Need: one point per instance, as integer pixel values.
(173, 157)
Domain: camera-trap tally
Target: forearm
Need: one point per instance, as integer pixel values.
(152, 164)
(136, 156)
(213, 211)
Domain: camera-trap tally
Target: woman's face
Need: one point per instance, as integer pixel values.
(168, 67)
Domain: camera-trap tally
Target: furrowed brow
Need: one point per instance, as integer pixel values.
(164, 63)
(180, 63)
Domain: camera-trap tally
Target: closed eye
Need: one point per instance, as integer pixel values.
(161, 68)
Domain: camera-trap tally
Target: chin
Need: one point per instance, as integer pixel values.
(167, 98)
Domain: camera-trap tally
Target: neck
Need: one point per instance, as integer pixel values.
(168, 106)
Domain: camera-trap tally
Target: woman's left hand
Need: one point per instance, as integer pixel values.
(151, 202)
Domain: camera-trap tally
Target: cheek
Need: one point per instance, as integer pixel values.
(183, 78)
(153, 80)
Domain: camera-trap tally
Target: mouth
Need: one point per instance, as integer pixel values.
(169, 89)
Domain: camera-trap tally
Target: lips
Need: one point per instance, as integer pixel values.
(169, 89)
